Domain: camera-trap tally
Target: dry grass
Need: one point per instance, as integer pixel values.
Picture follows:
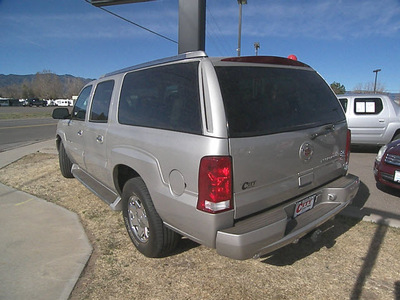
(353, 260)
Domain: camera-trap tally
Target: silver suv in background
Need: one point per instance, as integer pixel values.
(241, 154)
(373, 119)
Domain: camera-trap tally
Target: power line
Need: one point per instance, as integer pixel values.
(135, 24)
(221, 40)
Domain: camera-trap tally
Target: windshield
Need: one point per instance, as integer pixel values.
(265, 100)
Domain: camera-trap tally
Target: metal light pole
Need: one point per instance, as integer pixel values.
(376, 77)
(240, 2)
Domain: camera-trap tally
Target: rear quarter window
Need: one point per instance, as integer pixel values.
(266, 100)
(367, 106)
(164, 97)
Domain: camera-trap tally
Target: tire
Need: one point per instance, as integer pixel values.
(144, 225)
(64, 162)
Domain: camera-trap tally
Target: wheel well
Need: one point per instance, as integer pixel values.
(58, 142)
(396, 134)
(122, 174)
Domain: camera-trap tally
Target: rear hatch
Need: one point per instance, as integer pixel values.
(287, 131)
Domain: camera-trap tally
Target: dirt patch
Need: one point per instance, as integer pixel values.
(352, 260)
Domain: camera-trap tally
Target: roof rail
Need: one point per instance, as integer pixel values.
(182, 56)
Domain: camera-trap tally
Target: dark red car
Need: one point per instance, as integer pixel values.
(387, 165)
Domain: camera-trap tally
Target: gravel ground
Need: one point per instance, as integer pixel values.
(352, 260)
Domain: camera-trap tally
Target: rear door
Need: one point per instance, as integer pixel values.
(287, 133)
(270, 170)
(96, 160)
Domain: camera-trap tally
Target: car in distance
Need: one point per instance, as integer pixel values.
(374, 119)
(387, 165)
(35, 102)
(241, 154)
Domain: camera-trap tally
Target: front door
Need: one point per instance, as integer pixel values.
(75, 129)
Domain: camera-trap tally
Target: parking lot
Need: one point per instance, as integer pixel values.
(381, 205)
(352, 260)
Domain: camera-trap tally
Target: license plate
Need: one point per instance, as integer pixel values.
(304, 205)
(397, 176)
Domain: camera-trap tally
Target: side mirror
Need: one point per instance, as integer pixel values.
(61, 113)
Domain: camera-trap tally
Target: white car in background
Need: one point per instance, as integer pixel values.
(64, 102)
(374, 119)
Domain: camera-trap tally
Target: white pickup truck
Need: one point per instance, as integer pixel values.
(373, 119)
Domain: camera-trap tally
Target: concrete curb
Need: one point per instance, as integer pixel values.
(44, 246)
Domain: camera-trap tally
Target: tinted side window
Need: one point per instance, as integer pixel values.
(101, 102)
(343, 102)
(265, 100)
(162, 97)
(367, 106)
(79, 110)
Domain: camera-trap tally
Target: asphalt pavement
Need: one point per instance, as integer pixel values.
(373, 204)
(43, 246)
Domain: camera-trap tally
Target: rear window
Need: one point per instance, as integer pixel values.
(261, 100)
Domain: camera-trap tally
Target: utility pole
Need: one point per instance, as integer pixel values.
(376, 77)
(240, 2)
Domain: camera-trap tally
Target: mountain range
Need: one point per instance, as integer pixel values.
(8, 80)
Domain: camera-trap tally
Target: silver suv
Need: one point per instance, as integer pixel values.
(373, 119)
(241, 154)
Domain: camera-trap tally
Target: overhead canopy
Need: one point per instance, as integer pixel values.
(114, 2)
(192, 20)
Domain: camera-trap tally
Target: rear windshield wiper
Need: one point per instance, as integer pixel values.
(324, 130)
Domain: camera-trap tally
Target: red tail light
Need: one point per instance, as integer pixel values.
(215, 184)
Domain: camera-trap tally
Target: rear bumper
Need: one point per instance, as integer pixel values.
(273, 229)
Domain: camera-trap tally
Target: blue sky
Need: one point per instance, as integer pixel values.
(343, 40)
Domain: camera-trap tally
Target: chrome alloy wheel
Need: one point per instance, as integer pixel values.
(138, 219)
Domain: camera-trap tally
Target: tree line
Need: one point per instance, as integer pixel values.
(359, 89)
(45, 85)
